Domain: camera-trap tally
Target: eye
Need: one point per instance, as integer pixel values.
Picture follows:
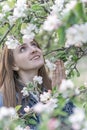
(34, 44)
(22, 49)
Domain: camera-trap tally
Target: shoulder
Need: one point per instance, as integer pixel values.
(1, 99)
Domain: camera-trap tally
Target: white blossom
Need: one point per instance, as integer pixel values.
(25, 91)
(38, 79)
(66, 84)
(76, 126)
(77, 116)
(28, 33)
(51, 105)
(69, 6)
(85, 84)
(6, 8)
(76, 35)
(23, 2)
(57, 7)
(27, 128)
(69, 59)
(39, 107)
(45, 96)
(77, 91)
(62, 7)
(7, 112)
(66, 72)
(12, 20)
(19, 12)
(51, 23)
(27, 109)
(18, 128)
(20, 9)
(11, 42)
(50, 65)
(28, 38)
(21, 128)
(47, 107)
(1, 16)
(29, 28)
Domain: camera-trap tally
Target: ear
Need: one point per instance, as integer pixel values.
(16, 68)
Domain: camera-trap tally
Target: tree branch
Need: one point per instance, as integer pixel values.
(6, 33)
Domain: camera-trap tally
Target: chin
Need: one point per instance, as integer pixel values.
(39, 65)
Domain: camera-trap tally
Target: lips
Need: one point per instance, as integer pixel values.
(35, 57)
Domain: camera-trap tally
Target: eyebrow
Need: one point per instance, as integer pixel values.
(24, 44)
(21, 45)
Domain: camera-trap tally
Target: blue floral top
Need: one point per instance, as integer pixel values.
(1, 100)
(31, 101)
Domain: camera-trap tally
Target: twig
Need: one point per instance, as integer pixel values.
(60, 49)
(75, 95)
(6, 33)
(46, 10)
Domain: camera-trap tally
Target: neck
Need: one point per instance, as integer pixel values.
(26, 76)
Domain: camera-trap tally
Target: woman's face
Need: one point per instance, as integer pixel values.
(28, 56)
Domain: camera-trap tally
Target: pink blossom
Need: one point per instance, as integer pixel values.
(53, 124)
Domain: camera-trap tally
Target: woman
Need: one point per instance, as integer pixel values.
(18, 67)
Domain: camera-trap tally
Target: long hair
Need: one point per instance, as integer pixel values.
(9, 78)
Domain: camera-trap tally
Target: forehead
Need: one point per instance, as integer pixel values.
(25, 44)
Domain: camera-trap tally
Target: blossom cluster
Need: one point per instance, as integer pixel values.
(7, 112)
(28, 33)
(62, 7)
(32, 86)
(78, 119)
(21, 128)
(46, 104)
(76, 35)
(51, 66)
(11, 42)
(18, 11)
(52, 23)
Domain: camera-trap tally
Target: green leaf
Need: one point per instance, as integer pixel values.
(17, 108)
(72, 19)
(11, 3)
(32, 121)
(23, 26)
(31, 85)
(36, 7)
(79, 10)
(61, 35)
(78, 74)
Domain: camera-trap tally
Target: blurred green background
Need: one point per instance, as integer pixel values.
(82, 67)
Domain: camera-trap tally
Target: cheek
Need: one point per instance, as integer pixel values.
(19, 60)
